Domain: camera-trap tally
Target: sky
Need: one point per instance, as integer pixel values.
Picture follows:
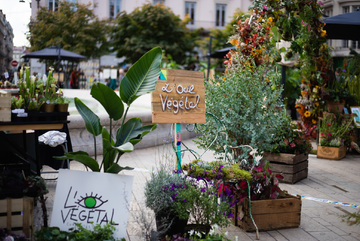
(18, 15)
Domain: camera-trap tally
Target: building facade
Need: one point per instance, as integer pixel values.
(203, 13)
(206, 14)
(6, 44)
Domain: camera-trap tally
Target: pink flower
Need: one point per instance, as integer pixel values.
(292, 144)
(321, 4)
(265, 7)
(328, 125)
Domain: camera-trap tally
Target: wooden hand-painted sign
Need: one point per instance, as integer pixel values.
(179, 97)
(89, 198)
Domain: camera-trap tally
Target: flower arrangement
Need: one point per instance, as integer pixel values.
(175, 197)
(289, 139)
(335, 129)
(235, 183)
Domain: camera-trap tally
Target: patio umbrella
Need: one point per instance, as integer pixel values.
(220, 54)
(55, 53)
(344, 26)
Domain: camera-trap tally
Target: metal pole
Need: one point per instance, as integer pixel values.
(208, 67)
(283, 80)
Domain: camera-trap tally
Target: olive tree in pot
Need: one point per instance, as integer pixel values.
(139, 80)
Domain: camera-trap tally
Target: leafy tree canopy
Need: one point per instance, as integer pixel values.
(73, 26)
(136, 33)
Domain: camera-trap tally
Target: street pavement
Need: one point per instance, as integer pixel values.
(331, 190)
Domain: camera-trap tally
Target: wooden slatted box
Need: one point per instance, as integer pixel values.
(269, 214)
(5, 106)
(16, 215)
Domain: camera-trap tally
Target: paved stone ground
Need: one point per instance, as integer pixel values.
(327, 179)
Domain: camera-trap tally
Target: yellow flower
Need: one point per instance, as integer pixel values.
(323, 33)
(307, 113)
(233, 41)
(313, 121)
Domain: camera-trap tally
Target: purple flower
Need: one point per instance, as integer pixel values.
(230, 215)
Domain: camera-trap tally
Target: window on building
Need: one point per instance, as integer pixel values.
(158, 2)
(53, 5)
(220, 15)
(115, 8)
(190, 11)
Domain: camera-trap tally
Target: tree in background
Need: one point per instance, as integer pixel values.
(73, 26)
(148, 26)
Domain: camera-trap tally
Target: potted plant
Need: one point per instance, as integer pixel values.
(334, 135)
(139, 80)
(161, 193)
(337, 92)
(238, 184)
(62, 102)
(289, 154)
(184, 204)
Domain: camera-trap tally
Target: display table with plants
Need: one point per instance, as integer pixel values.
(38, 99)
(335, 135)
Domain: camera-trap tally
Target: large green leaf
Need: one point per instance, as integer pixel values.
(109, 154)
(92, 121)
(142, 76)
(109, 100)
(115, 168)
(83, 158)
(133, 131)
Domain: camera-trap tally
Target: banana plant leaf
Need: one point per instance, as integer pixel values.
(133, 131)
(92, 121)
(115, 168)
(109, 100)
(142, 76)
(82, 157)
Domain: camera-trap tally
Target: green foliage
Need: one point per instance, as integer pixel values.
(139, 80)
(245, 101)
(288, 139)
(335, 129)
(80, 233)
(351, 74)
(159, 198)
(133, 34)
(352, 218)
(73, 26)
(216, 170)
(200, 202)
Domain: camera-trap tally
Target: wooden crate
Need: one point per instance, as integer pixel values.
(292, 167)
(333, 153)
(269, 214)
(16, 215)
(5, 106)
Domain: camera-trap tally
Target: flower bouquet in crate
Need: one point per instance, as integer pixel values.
(334, 135)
